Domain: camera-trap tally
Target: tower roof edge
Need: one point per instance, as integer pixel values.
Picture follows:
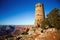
(38, 4)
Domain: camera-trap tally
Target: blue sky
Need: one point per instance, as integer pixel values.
(21, 12)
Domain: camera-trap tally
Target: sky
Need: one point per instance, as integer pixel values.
(22, 12)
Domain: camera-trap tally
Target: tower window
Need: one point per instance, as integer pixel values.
(37, 6)
(38, 20)
(37, 14)
(40, 5)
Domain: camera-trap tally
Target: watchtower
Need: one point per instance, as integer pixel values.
(39, 14)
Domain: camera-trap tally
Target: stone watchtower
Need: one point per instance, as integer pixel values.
(39, 15)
